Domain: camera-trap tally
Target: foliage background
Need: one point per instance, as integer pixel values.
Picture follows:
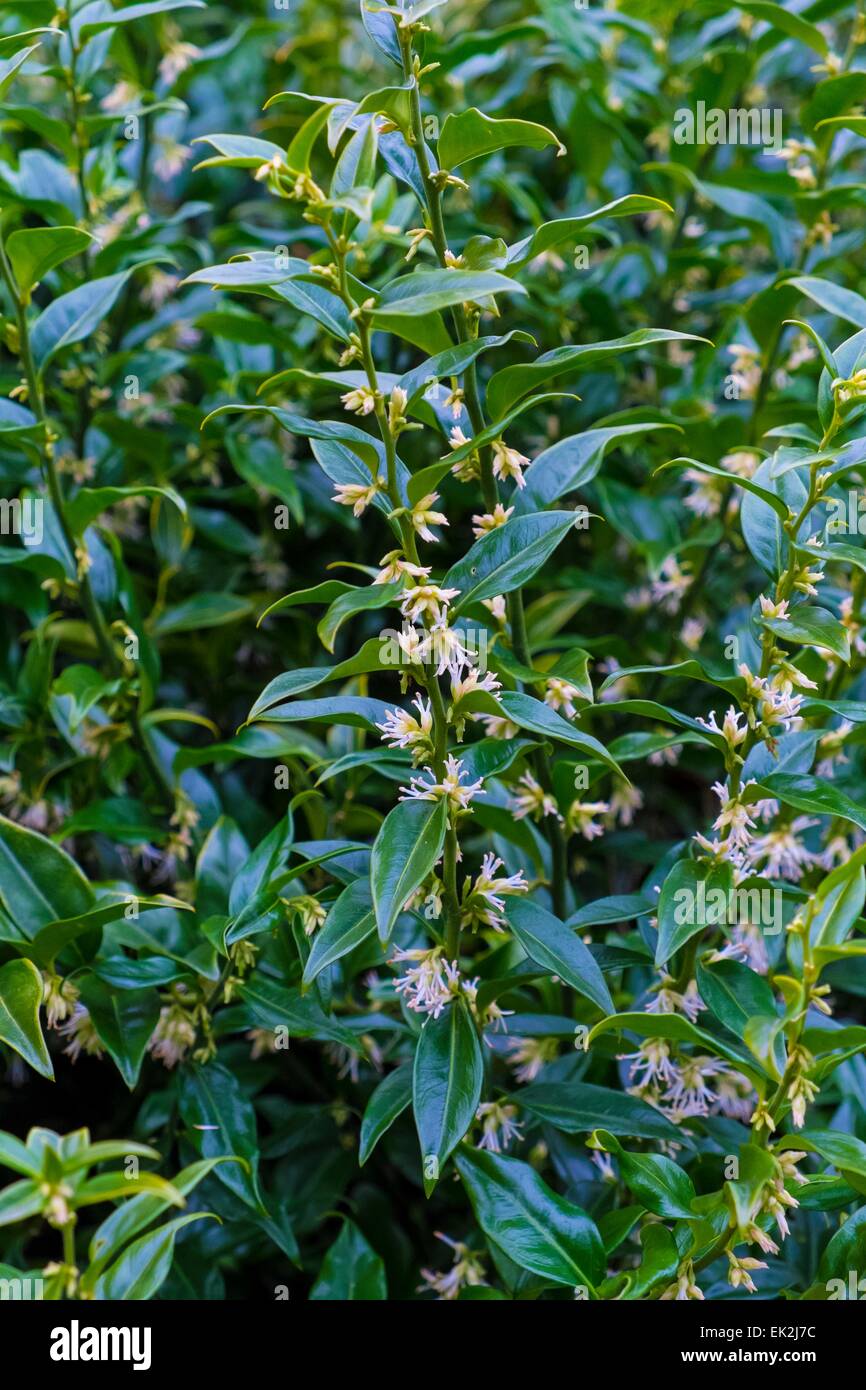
(609, 82)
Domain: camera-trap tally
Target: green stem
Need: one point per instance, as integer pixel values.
(475, 410)
(89, 602)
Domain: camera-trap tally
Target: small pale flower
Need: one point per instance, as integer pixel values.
(489, 521)
(484, 898)
(358, 496)
(423, 517)
(581, 818)
(451, 788)
(361, 400)
(427, 599)
(533, 800)
(508, 463)
(498, 1126)
(560, 694)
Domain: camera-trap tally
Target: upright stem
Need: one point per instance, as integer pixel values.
(489, 489)
(89, 601)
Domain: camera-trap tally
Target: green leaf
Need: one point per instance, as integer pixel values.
(539, 1230)
(787, 22)
(552, 234)
(507, 386)
(350, 921)
(15, 1155)
(694, 895)
(351, 1270)
(553, 945)
(74, 316)
(124, 1021)
(356, 601)
(39, 882)
(844, 1151)
(843, 304)
(89, 502)
(658, 1183)
(19, 1201)
(539, 718)
(576, 1107)
(391, 1097)
(815, 627)
(405, 851)
(427, 291)
(145, 1265)
(470, 134)
(506, 557)
(806, 793)
(9, 68)
(845, 1250)
(128, 13)
(35, 251)
(274, 1006)
(446, 1086)
(734, 993)
(130, 1218)
(572, 462)
(20, 998)
(221, 1122)
(202, 610)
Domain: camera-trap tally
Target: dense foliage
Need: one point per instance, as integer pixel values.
(432, 678)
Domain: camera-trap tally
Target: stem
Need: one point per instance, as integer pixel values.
(89, 602)
(68, 1232)
(475, 410)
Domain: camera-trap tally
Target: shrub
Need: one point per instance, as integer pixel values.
(435, 669)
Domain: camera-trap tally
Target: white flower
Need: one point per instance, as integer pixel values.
(667, 1000)
(82, 1035)
(691, 633)
(498, 1125)
(176, 60)
(508, 463)
(467, 1271)
(489, 521)
(625, 800)
(770, 609)
(688, 1093)
(738, 1274)
(397, 403)
(651, 1064)
(446, 646)
(483, 900)
(533, 800)
(173, 1035)
(471, 681)
(730, 729)
(528, 1055)
(59, 998)
(780, 852)
(423, 517)
(459, 797)
(668, 590)
(581, 818)
(403, 730)
(733, 818)
(427, 598)
(356, 495)
(497, 726)
(496, 606)
(395, 567)
(560, 694)
(360, 401)
(430, 983)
